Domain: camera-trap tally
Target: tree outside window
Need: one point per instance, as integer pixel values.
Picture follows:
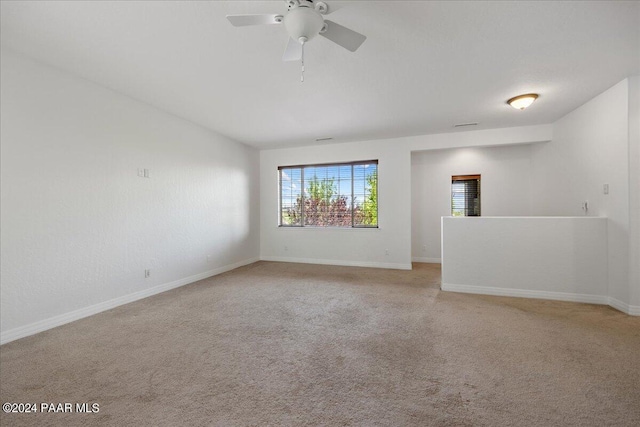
(335, 195)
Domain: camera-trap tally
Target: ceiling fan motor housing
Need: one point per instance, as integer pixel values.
(303, 23)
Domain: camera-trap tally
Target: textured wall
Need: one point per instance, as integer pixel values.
(634, 190)
(544, 257)
(366, 247)
(505, 189)
(79, 227)
(590, 148)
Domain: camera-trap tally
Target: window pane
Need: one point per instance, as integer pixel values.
(290, 196)
(457, 198)
(339, 195)
(326, 196)
(465, 195)
(365, 193)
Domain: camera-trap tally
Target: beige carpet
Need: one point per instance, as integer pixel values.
(292, 344)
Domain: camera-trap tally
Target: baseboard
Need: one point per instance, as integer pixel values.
(52, 322)
(523, 293)
(391, 266)
(427, 260)
(632, 310)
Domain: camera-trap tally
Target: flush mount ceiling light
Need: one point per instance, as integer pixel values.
(521, 102)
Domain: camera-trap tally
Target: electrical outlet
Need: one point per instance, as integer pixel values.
(141, 172)
(424, 248)
(147, 273)
(386, 251)
(605, 188)
(286, 248)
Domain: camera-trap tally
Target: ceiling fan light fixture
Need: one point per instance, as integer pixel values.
(521, 102)
(303, 22)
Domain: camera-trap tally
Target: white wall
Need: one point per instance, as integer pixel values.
(505, 189)
(563, 258)
(634, 190)
(367, 247)
(79, 227)
(363, 247)
(590, 148)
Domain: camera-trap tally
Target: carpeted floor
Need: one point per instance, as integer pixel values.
(293, 344)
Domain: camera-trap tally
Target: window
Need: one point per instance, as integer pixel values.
(465, 195)
(329, 195)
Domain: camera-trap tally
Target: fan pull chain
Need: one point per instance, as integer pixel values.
(302, 61)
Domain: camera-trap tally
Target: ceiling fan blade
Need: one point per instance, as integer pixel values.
(244, 20)
(293, 52)
(343, 36)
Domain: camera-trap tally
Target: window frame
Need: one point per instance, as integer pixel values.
(352, 205)
(471, 177)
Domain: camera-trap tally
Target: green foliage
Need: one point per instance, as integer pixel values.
(323, 206)
(454, 211)
(291, 216)
(371, 202)
(321, 190)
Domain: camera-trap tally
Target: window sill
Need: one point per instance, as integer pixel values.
(280, 227)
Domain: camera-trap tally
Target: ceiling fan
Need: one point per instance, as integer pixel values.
(303, 21)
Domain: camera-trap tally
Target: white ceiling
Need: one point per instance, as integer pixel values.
(424, 67)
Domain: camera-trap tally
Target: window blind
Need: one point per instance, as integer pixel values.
(329, 195)
(465, 195)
